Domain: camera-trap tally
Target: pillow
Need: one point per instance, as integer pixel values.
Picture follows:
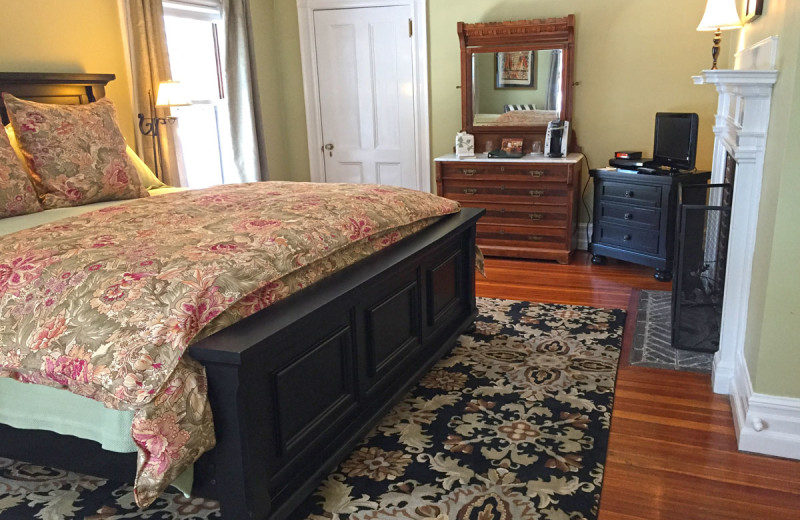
(17, 196)
(76, 153)
(509, 108)
(146, 175)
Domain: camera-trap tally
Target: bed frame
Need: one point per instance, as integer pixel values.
(294, 387)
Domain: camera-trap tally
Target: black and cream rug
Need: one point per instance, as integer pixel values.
(512, 424)
(652, 337)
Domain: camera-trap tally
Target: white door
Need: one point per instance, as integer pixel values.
(365, 79)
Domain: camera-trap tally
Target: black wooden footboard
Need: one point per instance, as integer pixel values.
(303, 384)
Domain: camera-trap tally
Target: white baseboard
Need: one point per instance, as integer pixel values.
(582, 234)
(765, 424)
(721, 375)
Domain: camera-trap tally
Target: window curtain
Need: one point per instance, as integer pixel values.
(554, 85)
(150, 64)
(244, 121)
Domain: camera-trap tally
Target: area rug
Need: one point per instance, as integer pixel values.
(652, 338)
(512, 424)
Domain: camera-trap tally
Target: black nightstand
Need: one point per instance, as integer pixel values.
(634, 217)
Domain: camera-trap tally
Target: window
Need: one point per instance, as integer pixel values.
(194, 42)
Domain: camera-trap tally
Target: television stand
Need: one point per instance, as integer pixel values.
(635, 215)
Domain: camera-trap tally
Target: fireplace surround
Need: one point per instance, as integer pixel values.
(764, 424)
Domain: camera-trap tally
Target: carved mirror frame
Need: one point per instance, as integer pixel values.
(541, 34)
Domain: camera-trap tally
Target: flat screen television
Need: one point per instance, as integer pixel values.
(675, 143)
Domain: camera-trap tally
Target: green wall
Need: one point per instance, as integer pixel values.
(276, 39)
(772, 344)
(57, 36)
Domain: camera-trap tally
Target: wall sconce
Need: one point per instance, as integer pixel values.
(170, 94)
(720, 15)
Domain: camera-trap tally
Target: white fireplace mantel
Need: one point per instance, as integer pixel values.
(764, 424)
(740, 130)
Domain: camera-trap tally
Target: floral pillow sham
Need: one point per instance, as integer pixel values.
(76, 153)
(146, 175)
(17, 196)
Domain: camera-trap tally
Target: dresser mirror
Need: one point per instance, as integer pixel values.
(515, 78)
(516, 88)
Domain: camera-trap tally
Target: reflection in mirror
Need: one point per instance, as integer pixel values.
(520, 88)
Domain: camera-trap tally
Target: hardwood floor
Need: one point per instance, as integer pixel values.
(672, 451)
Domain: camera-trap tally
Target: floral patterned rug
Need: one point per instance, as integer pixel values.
(512, 424)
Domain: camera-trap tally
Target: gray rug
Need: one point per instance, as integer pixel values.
(652, 338)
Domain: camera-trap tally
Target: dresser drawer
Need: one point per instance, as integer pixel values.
(515, 236)
(629, 215)
(506, 172)
(468, 192)
(524, 214)
(631, 238)
(631, 193)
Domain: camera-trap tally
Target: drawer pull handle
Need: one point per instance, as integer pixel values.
(535, 173)
(628, 216)
(628, 193)
(502, 187)
(502, 168)
(502, 232)
(470, 172)
(536, 193)
(502, 211)
(535, 238)
(535, 216)
(626, 237)
(470, 191)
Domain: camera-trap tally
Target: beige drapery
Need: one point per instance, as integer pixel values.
(244, 123)
(150, 64)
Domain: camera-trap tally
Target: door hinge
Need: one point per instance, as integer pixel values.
(410, 28)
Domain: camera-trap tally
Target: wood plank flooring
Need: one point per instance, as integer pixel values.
(672, 451)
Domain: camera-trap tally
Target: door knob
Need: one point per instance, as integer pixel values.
(329, 147)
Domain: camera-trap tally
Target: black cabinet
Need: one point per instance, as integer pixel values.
(634, 217)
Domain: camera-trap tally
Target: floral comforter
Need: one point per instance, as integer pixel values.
(105, 304)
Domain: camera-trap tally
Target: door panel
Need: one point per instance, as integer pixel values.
(364, 66)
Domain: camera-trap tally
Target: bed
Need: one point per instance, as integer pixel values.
(366, 333)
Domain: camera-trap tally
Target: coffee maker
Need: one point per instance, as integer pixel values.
(555, 140)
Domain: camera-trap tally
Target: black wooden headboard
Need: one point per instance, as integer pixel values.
(62, 88)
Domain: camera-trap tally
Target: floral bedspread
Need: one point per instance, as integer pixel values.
(104, 304)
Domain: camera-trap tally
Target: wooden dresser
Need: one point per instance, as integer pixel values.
(531, 203)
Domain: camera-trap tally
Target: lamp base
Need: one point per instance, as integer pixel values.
(716, 48)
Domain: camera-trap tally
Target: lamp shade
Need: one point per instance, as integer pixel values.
(720, 14)
(171, 94)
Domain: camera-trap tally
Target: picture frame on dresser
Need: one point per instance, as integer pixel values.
(511, 144)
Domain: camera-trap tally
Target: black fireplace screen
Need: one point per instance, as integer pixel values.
(701, 252)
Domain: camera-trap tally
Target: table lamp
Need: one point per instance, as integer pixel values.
(720, 15)
(170, 94)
